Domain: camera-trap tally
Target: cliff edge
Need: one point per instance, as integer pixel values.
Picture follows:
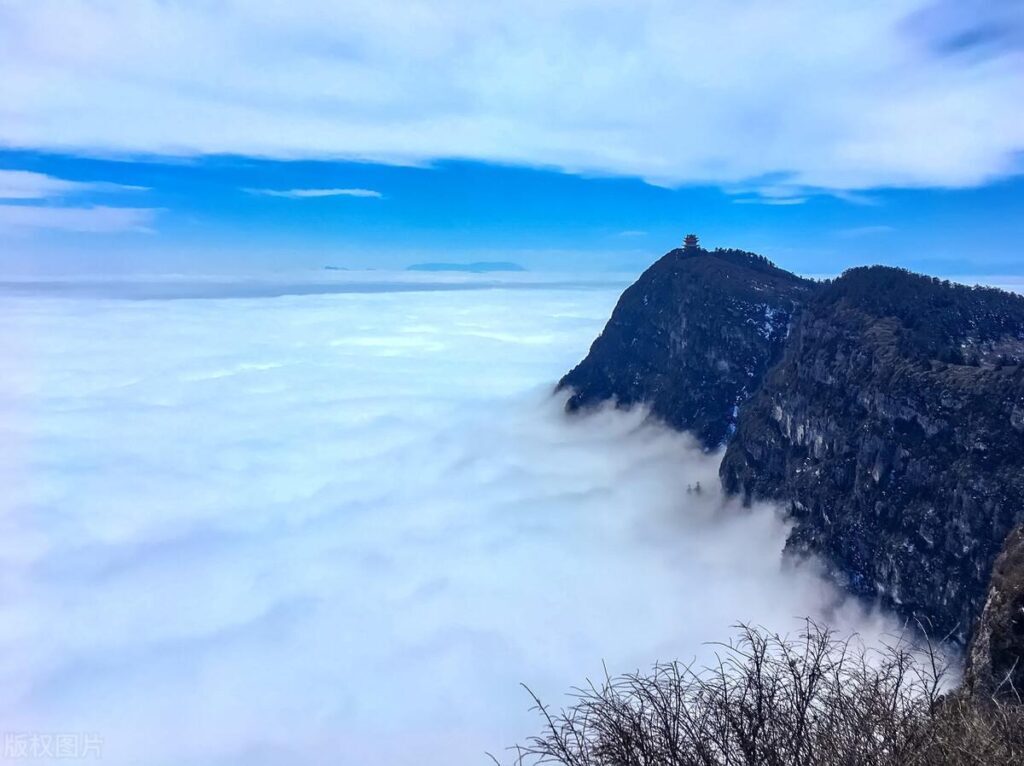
(883, 409)
(692, 339)
(995, 662)
(893, 430)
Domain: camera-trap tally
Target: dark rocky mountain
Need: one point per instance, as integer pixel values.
(692, 339)
(893, 428)
(885, 409)
(995, 664)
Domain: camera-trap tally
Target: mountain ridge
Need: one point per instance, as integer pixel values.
(891, 428)
(883, 409)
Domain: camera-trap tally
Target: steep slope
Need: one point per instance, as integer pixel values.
(692, 339)
(893, 428)
(995, 666)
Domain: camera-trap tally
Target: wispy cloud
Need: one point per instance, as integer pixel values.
(28, 185)
(98, 219)
(780, 190)
(631, 233)
(860, 95)
(854, 198)
(769, 200)
(315, 193)
(856, 232)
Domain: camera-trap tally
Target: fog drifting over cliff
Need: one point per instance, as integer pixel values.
(343, 528)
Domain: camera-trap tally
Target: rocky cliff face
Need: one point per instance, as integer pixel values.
(884, 409)
(692, 339)
(995, 666)
(893, 429)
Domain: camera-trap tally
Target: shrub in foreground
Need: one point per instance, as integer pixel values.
(769, 700)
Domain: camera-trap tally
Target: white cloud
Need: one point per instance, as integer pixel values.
(97, 219)
(856, 232)
(315, 193)
(772, 192)
(839, 95)
(343, 528)
(28, 185)
(25, 185)
(769, 200)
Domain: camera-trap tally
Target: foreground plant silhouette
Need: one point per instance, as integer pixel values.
(779, 701)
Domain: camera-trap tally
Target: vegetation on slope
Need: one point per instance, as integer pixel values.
(770, 700)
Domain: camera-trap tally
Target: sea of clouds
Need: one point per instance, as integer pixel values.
(343, 528)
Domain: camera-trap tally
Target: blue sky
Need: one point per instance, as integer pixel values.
(208, 215)
(571, 136)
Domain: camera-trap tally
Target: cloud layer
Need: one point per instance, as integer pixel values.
(342, 529)
(839, 95)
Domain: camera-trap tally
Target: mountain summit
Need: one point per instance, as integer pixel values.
(692, 339)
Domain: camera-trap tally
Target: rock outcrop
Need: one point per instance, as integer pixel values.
(692, 339)
(995, 662)
(891, 429)
(884, 409)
